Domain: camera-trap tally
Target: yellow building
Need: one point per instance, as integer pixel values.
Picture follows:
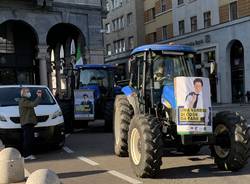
(158, 20)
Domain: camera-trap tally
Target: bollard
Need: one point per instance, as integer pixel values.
(1, 145)
(11, 166)
(43, 176)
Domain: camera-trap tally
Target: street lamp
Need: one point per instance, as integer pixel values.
(73, 53)
(53, 72)
(52, 60)
(72, 67)
(62, 60)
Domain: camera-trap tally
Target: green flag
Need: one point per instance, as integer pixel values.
(79, 60)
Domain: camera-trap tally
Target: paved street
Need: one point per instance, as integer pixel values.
(243, 109)
(88, 158)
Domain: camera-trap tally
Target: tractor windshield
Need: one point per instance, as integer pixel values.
(96, 77)
(167, 67)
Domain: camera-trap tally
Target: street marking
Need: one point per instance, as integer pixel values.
(124, 177)
(65, 148)
(112, 172)
(90, 162)
(26, 173)
(67, 135)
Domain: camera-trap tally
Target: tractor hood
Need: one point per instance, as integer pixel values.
(189, 97)
(182, 93)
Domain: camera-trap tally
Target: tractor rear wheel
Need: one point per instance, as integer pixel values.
(108, 116)
(123, 113)
(145, 146)
(231, 148)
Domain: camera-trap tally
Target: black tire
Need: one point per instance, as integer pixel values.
(78, 124)
(108, 116)
(85, 124)
(68, 115)
(145, 151)
(123, 113)
(233, 152)
(190, 149)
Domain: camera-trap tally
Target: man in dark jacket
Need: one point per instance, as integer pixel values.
(28, 120)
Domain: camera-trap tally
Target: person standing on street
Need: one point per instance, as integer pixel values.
(28, 120)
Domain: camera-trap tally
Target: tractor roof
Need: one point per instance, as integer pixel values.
(163, 47)
(95, 66)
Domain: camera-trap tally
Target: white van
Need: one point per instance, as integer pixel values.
(50, 127)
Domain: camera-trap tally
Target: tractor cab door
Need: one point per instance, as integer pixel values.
(137, 78)
(142, 82)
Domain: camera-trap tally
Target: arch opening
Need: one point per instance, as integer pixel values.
(237, 71)
(59, 40)
(18, 51)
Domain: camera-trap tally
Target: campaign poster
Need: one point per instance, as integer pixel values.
(194, 112)
(84, 104)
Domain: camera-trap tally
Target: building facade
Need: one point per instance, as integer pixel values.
(123, 31)
(37, 36)
(217, 30)
(158, 20)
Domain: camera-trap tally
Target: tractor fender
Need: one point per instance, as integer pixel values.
(132, 98)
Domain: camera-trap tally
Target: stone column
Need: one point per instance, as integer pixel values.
(42, 56)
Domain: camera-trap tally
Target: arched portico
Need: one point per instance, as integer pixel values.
(59, 40)
(18, 53)
(235, 51)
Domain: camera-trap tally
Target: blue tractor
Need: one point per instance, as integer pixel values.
(94, 94)
(165, 105)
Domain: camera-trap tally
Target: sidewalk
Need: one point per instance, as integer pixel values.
(243, 109)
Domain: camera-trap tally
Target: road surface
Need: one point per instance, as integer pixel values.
(88, 158)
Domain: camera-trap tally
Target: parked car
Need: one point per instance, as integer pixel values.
(50, 127)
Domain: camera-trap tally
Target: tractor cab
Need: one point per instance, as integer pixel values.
(94, 94)
(99, 78)
(153, 69)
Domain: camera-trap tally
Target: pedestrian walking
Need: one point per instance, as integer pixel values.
(28, 120)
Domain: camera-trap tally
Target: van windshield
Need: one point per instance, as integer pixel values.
(10, 96)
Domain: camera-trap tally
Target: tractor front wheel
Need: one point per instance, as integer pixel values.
(123, 113)
(145, 146)
(231, 148)
(108, 116)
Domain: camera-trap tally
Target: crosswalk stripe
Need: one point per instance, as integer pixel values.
(91, 162)
(65, 148)
(124, 177)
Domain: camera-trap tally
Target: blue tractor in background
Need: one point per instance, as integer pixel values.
(165, 105)
(94, 94)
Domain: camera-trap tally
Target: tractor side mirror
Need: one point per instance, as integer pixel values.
(213, 67)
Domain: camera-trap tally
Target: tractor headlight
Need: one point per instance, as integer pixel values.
(57, 114)
(2, 118)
